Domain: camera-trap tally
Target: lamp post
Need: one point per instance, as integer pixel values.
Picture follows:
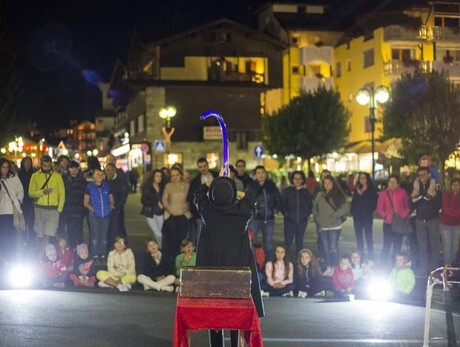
(167, 113)
(371, 97)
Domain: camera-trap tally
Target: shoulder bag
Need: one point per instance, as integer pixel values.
(18, 217)
(399, 225)
(343, 218)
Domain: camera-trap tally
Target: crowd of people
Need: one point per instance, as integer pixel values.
(54, 201)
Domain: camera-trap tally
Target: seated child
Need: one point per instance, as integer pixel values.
(158, 270)
(83, 271)
(342, 278)
(279, 273)
(121, 267)
(402, 278)
(307, 278)
(64, 254)
(259, 255)
(356, 267)
(54, 272)
(187, 257)
(435, 179)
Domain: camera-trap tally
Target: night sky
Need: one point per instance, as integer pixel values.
(91, 35)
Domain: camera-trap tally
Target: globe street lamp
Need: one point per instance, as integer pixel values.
(371, 97)
(167, 113)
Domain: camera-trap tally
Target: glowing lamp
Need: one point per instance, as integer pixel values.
(382, 94)
(363, 97)
(380, 289)
(20, 276)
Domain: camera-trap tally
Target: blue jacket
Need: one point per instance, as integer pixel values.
(100, 199)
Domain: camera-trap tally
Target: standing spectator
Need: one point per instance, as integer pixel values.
(11, 195)
(401, 206)
(176, 213)
(330, 209)
(427, 203)
(242, 174)
(311, 182)
(120, 193)
(133, 179)
(205, 176)
(74, 211)
(63, 162)
(110, 158)
(47, 188)
(27, 206)
(268, 200)
(296, 205)
(316, 190)
(152, 207)
(449, 222)
(99, 202)
(363, 205)
(238, 183)
(166, 173)
(93, 164)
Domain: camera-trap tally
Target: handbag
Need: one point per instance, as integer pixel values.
(18, 217)
(399, 225)
(147, 211)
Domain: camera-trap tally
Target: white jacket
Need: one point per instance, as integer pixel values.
(14, 186)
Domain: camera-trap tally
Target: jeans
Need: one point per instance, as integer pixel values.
(390, 239)
(174, 231)
(294, 230)
(277, 291)
(156, 224)
(267, 228)
(99, 228)
(114, 228)
(428, 239)
(363, 225)
(450, 236)
(330, 242)
(74, 231)
(7, 237)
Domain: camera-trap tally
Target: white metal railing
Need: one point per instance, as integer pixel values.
(437, 277)
(312, 54)
(309, 84)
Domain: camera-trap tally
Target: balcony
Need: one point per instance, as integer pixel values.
(309, 84)
(216, 74)
(452, 68)
(398, 33)
(394, 68)
(445, 34)
(314, 54)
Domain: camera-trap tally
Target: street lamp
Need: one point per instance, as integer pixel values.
(371, 97)
(167, 113)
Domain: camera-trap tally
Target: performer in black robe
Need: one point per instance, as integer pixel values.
(224, 238)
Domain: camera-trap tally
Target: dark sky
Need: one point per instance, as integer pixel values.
(91, 35)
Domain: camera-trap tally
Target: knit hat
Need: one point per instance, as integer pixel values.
(82, 248)
(50, 249)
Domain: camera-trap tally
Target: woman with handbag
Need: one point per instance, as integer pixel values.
(393, 200)
(11, 217)
(152, 207)
(330, 209)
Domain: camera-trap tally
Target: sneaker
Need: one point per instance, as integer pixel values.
(321, 293)
(146, 287)
(124, 287)
(302, 294)
(264, 294)
(103, 285)
(290, 294)
(177, 289)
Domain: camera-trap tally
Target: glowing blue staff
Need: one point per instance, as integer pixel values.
(223, 129)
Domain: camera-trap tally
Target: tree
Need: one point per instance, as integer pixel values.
(424, 112)
(8, 86)
(312, 124)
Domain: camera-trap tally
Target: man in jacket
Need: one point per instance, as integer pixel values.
(47, 188)
(268, 200)
(427, 203)
(205, 176)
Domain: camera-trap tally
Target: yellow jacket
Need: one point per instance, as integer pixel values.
(54, 199)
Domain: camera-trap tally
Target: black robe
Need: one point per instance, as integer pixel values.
(224, 238)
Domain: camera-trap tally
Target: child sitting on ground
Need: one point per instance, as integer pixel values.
(158, 270)
(279, 273)
(64, 254)
(54, 272)
(435, 179)
(402, 278)
(308, 275)
(83, 268)
(342, 278)
(259, 255)
(187, 257)
(121, 267)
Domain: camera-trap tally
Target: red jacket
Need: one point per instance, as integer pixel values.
(66, 257)
(53, 269)
(450, 214)
(400, 203)
(343, 279)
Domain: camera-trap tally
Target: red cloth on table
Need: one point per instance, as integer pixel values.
(216, 314)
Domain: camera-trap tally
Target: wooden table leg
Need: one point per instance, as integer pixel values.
(241, 339)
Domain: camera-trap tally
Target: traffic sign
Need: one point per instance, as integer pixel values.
(258, 151)
(160, 146)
